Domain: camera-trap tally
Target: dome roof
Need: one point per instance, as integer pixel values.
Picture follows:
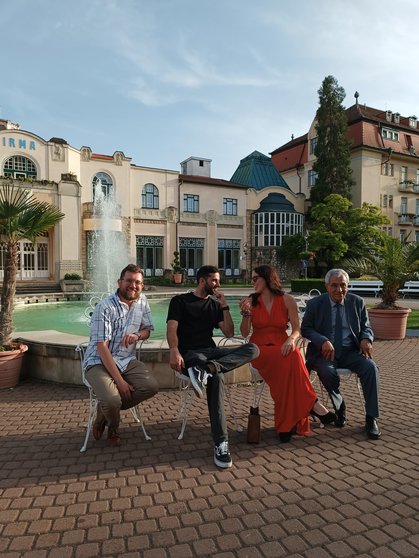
(257, 171)
(276, 202)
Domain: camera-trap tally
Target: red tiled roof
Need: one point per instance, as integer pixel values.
(99, 156)
(208, 180)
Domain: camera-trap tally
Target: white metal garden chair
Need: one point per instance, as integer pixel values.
(93, 400)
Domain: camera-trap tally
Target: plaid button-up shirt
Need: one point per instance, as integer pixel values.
(112, 319)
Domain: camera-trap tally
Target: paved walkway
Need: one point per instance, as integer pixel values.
(332, 494)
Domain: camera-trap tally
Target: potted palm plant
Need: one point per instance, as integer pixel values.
(21, 217)
(177, 268)
(394, 263)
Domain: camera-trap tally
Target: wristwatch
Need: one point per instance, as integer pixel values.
(225, 308)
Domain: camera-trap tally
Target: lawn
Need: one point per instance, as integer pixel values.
(413, 320)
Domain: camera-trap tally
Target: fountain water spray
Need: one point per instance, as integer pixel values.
(108, 250)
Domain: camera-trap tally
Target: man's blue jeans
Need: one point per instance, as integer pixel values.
(227, 359)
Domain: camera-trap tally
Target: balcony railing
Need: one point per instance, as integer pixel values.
(405, 219)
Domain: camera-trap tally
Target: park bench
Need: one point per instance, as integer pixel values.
(410, 288)
(365, 287)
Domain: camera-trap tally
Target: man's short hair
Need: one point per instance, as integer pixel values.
(205, 271)
(131, 268)
(336, 273)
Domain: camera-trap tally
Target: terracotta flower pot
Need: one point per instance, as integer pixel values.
(388, 324)
(177, 278)
(10, 366)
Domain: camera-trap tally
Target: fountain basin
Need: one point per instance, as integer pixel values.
(52, 356)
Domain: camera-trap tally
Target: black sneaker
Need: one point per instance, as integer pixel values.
(341, 415)
(199, 378)
(222, 457)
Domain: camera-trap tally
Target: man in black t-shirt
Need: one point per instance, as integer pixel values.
(191, 320)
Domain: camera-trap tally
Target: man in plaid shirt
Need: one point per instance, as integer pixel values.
(118, 379)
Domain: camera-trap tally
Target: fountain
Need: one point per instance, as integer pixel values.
(107, 247)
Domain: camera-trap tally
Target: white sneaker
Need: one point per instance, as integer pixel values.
(222, 457)
(199, 378)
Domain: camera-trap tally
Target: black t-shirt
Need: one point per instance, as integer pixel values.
(196, 317)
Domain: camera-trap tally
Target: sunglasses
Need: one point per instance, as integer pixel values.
(255, 278)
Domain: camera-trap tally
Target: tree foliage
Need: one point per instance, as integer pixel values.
(339, 230)
(21, 217)
(333, 157)
(394, 262)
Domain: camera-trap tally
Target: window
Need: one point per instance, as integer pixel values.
(389, 134)
(388, 231)
(312, 177)
(385, 200)
(149, 251)
(230, 206)
(191, 203)
(102, 185)
(396, 117)
(229, 256)
(201, 163)
(403, 174)
(413, 121)
(150, 197)
(191, 254)
(313, 145)
(390, 202)
(271, 227)
(19, 167)
(417, 176)
(403, 206)
(417, 208)
(402, 235)
(388, 169)
(417, 236)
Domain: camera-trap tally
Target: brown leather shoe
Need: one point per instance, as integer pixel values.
(114, 439)
(99, 424)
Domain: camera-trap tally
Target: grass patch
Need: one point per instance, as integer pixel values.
(413, 320)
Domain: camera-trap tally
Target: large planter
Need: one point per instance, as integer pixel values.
(72, 285)
(177, 278)
(10, 366)
(388, 324)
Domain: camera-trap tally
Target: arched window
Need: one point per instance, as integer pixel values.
(150, 197)
(105, 182)
(19, 167)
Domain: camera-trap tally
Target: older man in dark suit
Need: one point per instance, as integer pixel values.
(337, 325)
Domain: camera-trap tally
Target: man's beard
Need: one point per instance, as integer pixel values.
(208, 289)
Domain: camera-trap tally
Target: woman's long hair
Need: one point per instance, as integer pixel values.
(273, 283)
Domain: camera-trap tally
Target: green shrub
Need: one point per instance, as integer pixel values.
(305, 285)
(72, 277)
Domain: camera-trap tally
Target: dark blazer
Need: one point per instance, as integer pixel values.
(317, 321)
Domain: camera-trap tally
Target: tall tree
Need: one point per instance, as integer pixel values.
(333, 156)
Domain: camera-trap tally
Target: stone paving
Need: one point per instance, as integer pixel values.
(332, 494)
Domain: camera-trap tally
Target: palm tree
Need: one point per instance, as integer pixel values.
(395, 263)
(21, 216)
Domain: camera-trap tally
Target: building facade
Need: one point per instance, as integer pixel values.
(150, 212)
(384, 160)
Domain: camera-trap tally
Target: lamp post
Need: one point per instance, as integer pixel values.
(306, 261)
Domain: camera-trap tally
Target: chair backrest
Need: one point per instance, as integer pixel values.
(81, 349)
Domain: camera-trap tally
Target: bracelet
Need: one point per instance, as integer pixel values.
(246, 314)
(225, 308)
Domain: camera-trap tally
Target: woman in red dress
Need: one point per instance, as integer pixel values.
(267, 312)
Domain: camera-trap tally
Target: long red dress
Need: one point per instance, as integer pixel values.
(287, 377)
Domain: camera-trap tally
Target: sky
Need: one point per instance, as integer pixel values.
(164, 80)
